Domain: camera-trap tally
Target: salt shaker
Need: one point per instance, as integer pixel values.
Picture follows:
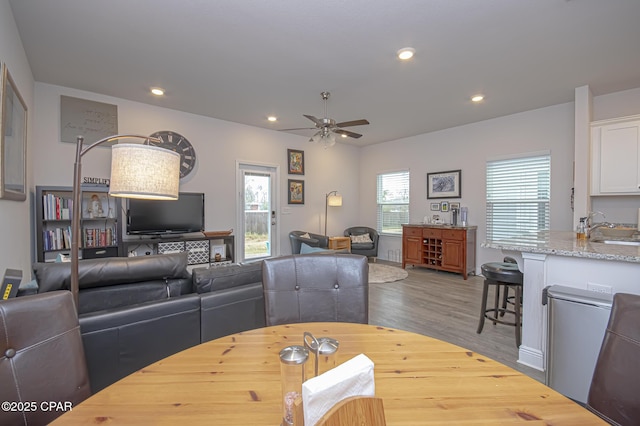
(324, 350)
(292, 374)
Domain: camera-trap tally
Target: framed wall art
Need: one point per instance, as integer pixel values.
(444, 206)
(295, 160)
(455, 206)
(444, 184)
(13, 141)
(435, 207)
(296, 191)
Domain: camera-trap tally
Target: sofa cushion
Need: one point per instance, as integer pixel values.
(306, 249)
(363, 238)
(111, 271)
(362, 246)
(113, 297)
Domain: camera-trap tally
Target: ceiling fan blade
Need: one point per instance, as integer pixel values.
(297, 128)
(315, 120)
(348, 133)
(352, 123)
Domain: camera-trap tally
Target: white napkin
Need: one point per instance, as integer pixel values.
(351, 378)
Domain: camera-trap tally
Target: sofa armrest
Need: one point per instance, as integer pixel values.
(121, 341)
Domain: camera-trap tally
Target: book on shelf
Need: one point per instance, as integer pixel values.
(98, 237)
(56, 207)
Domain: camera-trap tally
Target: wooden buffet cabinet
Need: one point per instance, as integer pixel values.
(440, 247)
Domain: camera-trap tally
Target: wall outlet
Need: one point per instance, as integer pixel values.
(599, 288)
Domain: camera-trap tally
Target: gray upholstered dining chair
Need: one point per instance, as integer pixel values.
(364, 248)
(41, 357)
(316, 287)
(615, 385)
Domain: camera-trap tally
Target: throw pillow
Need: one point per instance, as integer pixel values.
(364, 238)
(305, 235)
(306, 249)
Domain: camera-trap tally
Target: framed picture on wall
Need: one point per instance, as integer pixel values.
(13, 140)
(296, 191)
(444, 206)
(435, 207)
(444, 184)
(295, 160)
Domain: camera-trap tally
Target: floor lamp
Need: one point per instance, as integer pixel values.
(137, 171)
(334, 200)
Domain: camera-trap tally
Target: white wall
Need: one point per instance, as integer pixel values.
(15, 225)
(468, 148)
(218, 145)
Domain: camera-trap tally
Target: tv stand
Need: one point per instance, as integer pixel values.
(201, 249)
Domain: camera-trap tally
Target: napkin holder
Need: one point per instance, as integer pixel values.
(367, 410)
(353, 378)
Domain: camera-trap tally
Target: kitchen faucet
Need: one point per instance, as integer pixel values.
(589, 228)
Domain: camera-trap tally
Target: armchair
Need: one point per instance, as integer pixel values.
(369, 249)
(315, 240)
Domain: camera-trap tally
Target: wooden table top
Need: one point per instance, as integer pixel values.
(235, 380)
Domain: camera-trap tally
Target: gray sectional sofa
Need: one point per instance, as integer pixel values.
(137, 310)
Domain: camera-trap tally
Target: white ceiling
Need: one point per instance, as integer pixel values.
(242, 60)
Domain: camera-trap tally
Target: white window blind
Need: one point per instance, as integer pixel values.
(393, 202)
(518, 192)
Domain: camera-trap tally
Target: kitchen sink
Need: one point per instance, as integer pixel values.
(621, 242)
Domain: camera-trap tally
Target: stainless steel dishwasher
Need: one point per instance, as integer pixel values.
(577, 320)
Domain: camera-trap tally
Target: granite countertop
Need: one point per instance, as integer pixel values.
(443, 226)
(563, 243)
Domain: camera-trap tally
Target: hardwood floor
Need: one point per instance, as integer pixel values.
(444, 306)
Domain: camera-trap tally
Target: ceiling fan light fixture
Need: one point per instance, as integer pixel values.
(406, 53)
(329, 140)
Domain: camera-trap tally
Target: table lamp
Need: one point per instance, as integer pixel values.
(137, 171)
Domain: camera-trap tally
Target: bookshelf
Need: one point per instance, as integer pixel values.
(100, 225)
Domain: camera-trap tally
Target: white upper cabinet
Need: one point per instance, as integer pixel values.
(615, 157)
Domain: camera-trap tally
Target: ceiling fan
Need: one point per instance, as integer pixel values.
(327, 127)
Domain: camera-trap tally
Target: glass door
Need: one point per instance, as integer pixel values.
(257, 222)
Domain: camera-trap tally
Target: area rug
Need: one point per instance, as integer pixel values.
(379, 273)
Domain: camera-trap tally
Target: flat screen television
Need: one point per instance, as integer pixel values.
(157, 217)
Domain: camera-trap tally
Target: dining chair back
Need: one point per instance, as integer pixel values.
(615, 385)
(42, 363)
(316, 287)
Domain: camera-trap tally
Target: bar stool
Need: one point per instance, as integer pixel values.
(502, 275)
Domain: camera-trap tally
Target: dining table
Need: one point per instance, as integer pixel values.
(236, 380)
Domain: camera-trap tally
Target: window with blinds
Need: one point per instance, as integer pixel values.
(393, 202)
(518, 192)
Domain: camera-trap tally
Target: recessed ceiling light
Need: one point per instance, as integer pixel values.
(406, 53)
(157, 91)
(477, 98)
(343, 135)
(272, 118)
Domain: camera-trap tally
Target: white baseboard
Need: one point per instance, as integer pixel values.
(531, 357)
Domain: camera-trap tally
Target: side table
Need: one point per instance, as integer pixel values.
(340, 243)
